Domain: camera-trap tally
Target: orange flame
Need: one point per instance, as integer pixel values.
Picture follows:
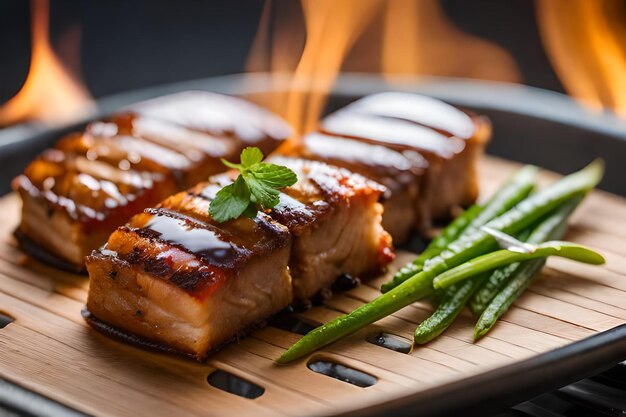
(419, 39)
(395, 36)
(50, 94)
(331, 29)
(586, 43)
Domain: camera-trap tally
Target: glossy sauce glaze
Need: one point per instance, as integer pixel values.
(392, 132)
(134, 149)
(89, 191)
(392, 168)
(128, 161)
(406, 121)
(201, 239)
(194, 144)
(180, 243)
(319, 189)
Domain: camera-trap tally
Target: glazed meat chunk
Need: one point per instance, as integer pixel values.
(175, 279)
(451, 140)
(335, 219)
(401, 173)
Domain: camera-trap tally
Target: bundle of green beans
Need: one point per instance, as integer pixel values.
(488, 286)
(465, 250)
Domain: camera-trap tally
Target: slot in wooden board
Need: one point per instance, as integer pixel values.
(50, 350)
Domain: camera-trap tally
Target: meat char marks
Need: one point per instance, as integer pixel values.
(424, 150)
(75, 194)
(335, 220)
(400, 172)
(176, 278)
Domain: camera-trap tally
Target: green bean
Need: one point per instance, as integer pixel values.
(462, 250)
(514, 190)
(492, 285)
(504, 257)
(503, 300)
(453, 301)
(553, 227)
(450, 305)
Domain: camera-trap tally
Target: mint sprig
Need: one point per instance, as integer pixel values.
(256, 188)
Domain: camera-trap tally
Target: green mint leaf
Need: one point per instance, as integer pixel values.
(264, 195)
(251, 156)
(275, 176)
(257, 187)
(231, 201)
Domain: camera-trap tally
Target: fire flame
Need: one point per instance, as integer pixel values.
(586, 43)
(585, 40)
(50, 94)
(313, 61)
(419, 39)
(392, 36)
(332, 27)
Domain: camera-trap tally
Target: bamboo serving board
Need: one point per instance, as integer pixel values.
(49, 349)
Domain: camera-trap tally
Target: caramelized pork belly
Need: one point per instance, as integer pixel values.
(76, 194)
(174, 277)
(450, 139)
(335, 221)
(71, 204)
(400, 172)
(220, 115)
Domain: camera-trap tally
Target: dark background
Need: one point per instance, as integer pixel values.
(139, 43)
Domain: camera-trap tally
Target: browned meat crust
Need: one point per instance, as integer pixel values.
(451, 140)
(335, 219)
(77, 193)
(175, 277)
(401, 173)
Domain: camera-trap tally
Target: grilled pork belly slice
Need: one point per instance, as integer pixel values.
(400, 172)
(70, 204)
(451, 140)
(77, 193)
(174, 277)
(335, 220)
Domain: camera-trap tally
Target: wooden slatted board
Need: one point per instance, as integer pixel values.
(50, 350)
